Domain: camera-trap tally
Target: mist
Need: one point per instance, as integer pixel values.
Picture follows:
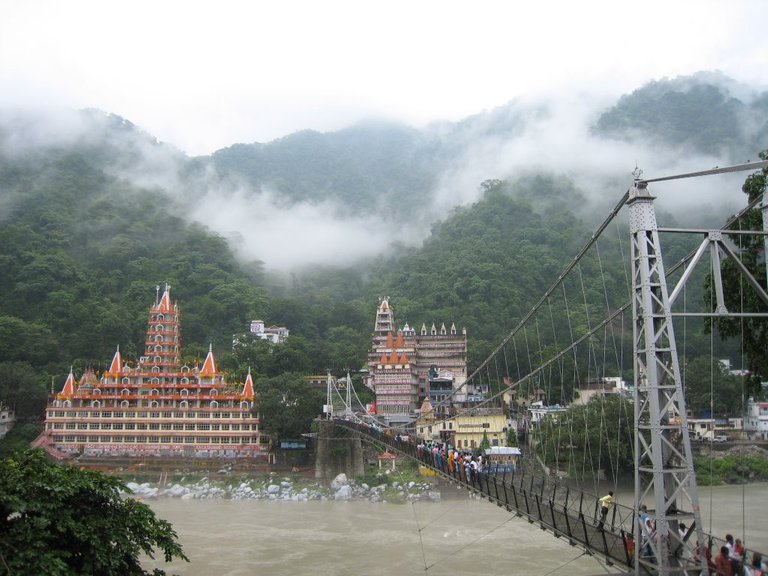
(557, 139)
(549, 135)
(258, 227)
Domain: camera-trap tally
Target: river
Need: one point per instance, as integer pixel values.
(460, 535)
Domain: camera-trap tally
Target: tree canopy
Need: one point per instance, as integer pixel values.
(586, 438)
(752, 333)
(59, 520)
(287, 404)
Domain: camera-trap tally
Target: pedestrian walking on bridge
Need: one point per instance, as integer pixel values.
(605, 505)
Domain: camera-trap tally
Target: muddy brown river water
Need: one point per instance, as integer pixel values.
(458, 536)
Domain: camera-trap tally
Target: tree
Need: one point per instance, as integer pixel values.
(709, 388)
(21, 389)
(287, 404)
(485, 443)
(57, 519)
(738, 297)
(589, 437)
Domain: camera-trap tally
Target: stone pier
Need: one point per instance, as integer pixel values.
(337, 451)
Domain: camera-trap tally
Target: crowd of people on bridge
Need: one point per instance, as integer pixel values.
(466, 464)
(732, 558)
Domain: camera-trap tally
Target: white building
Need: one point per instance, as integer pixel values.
(701, 428)
(756, 420)
(274, 334)
(538, 411)
(7, 420)
(603, 387)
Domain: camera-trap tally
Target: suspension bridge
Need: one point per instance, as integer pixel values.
(586, 327)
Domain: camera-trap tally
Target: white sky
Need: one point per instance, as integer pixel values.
(204, 75)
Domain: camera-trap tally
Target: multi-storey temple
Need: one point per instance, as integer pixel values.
(406, 366)
(157, 406)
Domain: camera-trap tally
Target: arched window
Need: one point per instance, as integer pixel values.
(245, 405)
(159, 328)
(154, 404)
(184, 380)
(158, 338)
(158, 348)
(185, 368)
(125, 404)
(161, 317)
(96, 392)
(126, 380)
(183, 404)
(214, 404)
(158, 359)
(154, 391)
(155, 381)
(67, 403)
(124, 392)
(184, 392)
(95, 404)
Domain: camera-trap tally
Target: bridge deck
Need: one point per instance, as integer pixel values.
(562, 510)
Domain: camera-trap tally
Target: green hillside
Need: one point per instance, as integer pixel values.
(93, 218)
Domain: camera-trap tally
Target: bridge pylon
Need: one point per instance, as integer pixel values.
(665, 481)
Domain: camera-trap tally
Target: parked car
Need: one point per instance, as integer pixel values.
(720, 438)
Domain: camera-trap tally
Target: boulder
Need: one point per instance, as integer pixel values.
(339, 481)
(343, 493)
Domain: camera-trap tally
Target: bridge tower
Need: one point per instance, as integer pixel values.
(664, 471)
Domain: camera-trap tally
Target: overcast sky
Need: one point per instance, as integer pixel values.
(203, 75)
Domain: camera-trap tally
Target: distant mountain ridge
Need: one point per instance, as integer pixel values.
(461, 222)
(397, 169)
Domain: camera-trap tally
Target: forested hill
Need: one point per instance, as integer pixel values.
(94, 213)
(399, 169)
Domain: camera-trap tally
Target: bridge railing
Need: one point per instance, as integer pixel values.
(564, 511)
(554, 505)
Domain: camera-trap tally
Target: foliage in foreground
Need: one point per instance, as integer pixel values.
(56, 519)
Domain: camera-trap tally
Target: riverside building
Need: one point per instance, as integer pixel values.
(407, 366)
(155, 407)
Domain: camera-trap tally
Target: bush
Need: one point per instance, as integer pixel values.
(57, 519)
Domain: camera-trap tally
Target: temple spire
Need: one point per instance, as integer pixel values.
(117, 363)
(165, 300)
(248, 393)
(69, 386)
(209, 366)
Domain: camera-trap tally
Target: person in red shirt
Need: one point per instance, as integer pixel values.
(723, 563)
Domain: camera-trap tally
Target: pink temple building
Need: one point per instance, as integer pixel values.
(156, 406)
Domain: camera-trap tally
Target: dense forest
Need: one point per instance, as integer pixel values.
(92, 219)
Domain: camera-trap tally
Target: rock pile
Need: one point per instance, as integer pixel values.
(285, 489)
